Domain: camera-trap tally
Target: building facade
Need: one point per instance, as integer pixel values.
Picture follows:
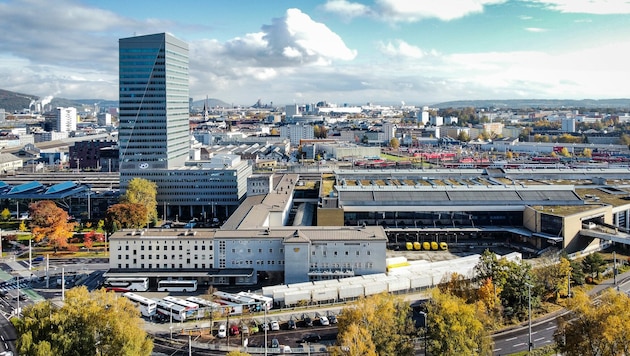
(66, 120)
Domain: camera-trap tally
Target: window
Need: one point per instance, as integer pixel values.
(270, 250)
(150, 248)
(157, 248)
(126, 248)
(347, 253)
(203, 247)
(134, 252)
(142, 257)
(195, 247)
(181, 247)
(172, 248)
(142, 248)
(165, 257)
(357, 253)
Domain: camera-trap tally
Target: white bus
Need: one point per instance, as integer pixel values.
(248, 304)
(191, 308)
(169, 309)
(264, 302)
(203, 303)
(127, 284)
(177, 285)
(148, 307)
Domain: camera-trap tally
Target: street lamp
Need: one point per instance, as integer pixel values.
(529, 307)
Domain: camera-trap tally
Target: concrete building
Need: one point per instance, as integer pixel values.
(154, 138)
(104, 119)
(568, 124)
(87, 154)
(298, 132)
(66, 119)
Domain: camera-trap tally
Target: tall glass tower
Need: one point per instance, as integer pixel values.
(154, 109)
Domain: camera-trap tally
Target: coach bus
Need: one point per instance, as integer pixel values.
(148, 307)
(177, 285)
(127, 284)
(177, 312)
(191, 308)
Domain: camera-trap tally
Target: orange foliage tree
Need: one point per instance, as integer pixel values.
(50, 223)
(125, 215)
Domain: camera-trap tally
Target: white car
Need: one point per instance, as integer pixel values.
(275, 326)
(324, 320)
(222, 333)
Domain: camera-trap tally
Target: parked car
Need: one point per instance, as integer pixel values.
(222, 333)
(310, 338)
(275, 343)
(234, 330)
(254, 329)
(275, 326)
(263, 327)
(332, 318)
(244, 329)
(308, 321)
(291, 324)
(323, 320)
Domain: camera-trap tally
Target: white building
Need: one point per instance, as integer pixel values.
(66, 119)
(104, 119)
(298, 132)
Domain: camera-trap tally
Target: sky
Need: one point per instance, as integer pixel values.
(416, 52)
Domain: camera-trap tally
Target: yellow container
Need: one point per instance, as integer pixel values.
(443, 246)
(416, 246)
(434, 245)
(409, 246)
(426, 246)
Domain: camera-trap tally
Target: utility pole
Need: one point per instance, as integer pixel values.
(614, 268)
(529, 307)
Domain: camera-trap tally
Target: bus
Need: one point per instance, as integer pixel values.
(177, 285)
(127, 284)
(177, 312)
(203, 303)
(191, 308)
(148, 307)
(248, 304)
(264, 302)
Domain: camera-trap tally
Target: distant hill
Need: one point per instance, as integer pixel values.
(11, 101)
(537, 104)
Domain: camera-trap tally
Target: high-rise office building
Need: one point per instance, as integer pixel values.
(153, 95)
(154, 137)
(66, 119)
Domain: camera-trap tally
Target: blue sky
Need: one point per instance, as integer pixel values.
(341, 51)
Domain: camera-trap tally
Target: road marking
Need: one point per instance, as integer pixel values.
(534, 332)
(496, 350)
(510, 339)
(517, 345)
(540, 338)
(551, 327)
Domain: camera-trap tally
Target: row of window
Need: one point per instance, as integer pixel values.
(165, 265)
(258, 262)
(173, 257)
(347, 265)
(337, 253)
(260, 250)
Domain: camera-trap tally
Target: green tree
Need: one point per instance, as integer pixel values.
(124, 216)
(463, 136)
(593, 264)
(5, 215)
(144, 192)
(97, 323)
(49, 222)
(387, 320)
(553, 275)
(455, 327)
(516, 292)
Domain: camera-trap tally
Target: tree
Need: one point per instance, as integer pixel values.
(394, 143)
(355, 341)
(455, 327)
(144, 192)
(5, 215)
(553, 275)
(237, 353)
(587, 152)
(463, 136)
(124, 216)
(387, 320)
(87, 241)
(50, 223)
(96, 323)
(595, 329)
(593, 264)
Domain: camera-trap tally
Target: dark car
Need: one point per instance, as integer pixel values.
(291, 324)
(275, 343)
(308, 321)
(310, 338)
(332, 318)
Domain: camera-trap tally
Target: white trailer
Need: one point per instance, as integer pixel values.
(351, 291)
(375, 287)
(398, 285)
(268, 291)
(295, 297)
(420, 281)
(324, 294)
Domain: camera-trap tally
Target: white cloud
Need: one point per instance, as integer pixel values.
(400, 48)
(411, 11)
(535, 29)
(599, 7)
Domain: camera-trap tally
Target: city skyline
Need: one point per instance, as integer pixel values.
(340, 51)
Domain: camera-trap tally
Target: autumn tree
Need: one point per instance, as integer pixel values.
(50, 223)
(87, 241)
(595, 328)
(144, 192)
(394, 143)
(386, 318)
(123, 216)
(553, 275)
(587, 152)
(5, 215)
(355, 341)
(97, 323)
(455, 327)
